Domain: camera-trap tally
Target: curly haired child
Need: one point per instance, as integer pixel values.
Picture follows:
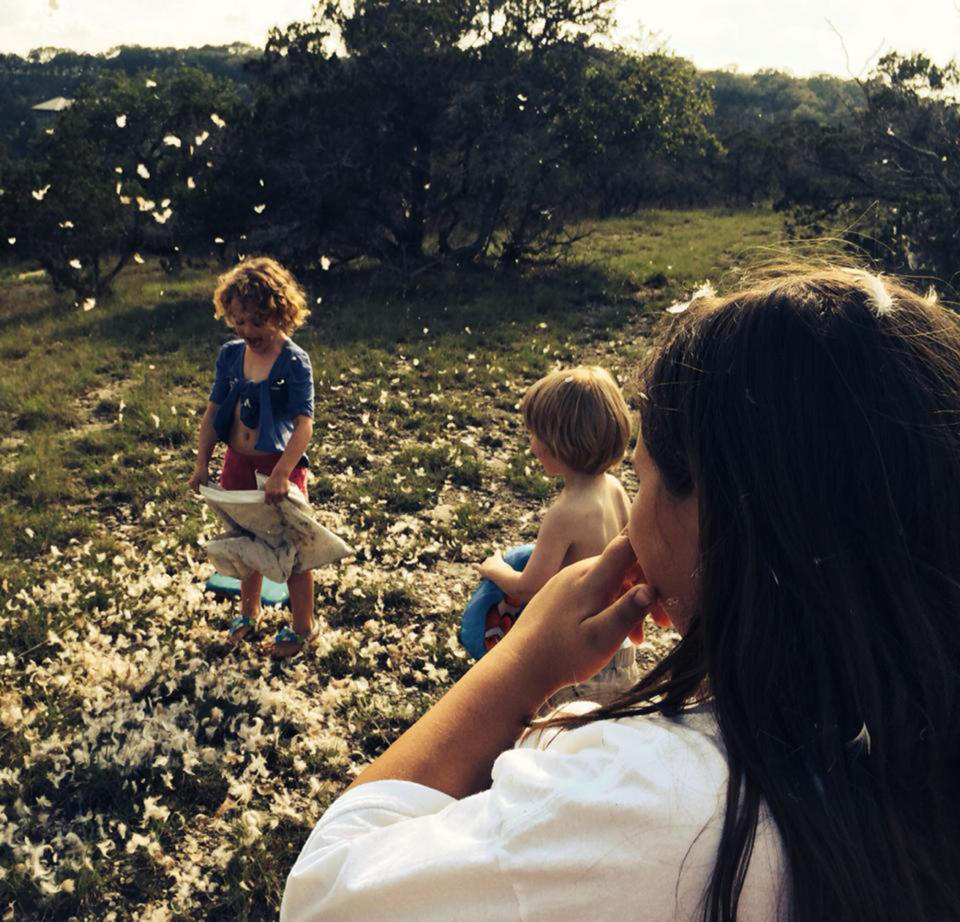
(261, 406)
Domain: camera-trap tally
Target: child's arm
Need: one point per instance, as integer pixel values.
(206, 441)
(278, 483)
(553, 540)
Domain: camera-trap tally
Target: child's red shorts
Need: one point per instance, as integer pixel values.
(240, 471)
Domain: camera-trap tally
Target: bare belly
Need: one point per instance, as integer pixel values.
(243, 438)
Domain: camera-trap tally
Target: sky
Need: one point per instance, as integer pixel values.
(842, 37)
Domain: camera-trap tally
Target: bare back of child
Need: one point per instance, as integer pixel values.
(587, 515)
(591, 510)
(579, 427)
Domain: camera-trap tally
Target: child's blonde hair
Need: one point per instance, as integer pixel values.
(581, 416)
(263, 285)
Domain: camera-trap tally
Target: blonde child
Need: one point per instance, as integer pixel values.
(579, 427)
(261, 405)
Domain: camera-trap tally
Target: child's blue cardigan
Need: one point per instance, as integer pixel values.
(285, 394)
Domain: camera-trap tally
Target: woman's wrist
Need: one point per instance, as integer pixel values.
(529, 686)
(452, 748)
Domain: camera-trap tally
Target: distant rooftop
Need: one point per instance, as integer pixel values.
(57, 104)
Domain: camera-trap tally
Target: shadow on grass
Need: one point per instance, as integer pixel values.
(170, 325)
(356, 305)
(50, 306)
(364, 306)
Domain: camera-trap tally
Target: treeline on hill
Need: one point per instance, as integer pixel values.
(46, 73)
(412, 134)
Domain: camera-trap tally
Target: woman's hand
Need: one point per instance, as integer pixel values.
(574, 625)
(568, 632)
(276, 487)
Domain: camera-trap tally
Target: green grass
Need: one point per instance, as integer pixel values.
(115, 688)
(659, 249)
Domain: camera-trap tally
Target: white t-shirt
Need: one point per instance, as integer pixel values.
(616, 820)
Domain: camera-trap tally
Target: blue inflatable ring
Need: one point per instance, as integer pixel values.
(473, 622)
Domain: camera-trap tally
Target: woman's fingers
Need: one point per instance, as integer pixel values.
(633, 576)
(607, 571)
(596, 638)
(573, 626)
(623, 618)
(617, 556)
(616, 571)
(660, 617)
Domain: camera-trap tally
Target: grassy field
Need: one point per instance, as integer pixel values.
(145, 771)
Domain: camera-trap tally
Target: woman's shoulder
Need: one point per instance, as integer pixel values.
(576, 824)
(654, 771)
(643, 748)
(639, 798)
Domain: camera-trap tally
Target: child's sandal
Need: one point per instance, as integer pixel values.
(288, 635)
(238, 624)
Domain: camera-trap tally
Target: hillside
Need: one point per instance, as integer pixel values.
(148, 771)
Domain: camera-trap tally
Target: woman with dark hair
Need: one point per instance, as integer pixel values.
(795, 756)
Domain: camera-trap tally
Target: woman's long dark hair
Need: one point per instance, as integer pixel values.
(818, 418)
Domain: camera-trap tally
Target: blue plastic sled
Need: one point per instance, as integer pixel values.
(473, 622)
(271, 593)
